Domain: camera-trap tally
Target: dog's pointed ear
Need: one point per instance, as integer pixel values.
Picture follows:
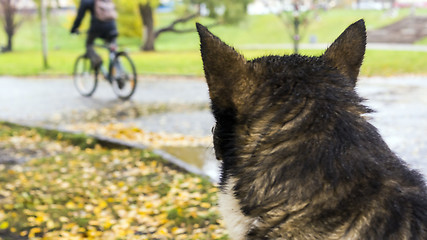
(225, 69)
(348, 50)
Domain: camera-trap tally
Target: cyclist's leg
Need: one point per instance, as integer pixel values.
(111, 41)
(111, 38)
(95, 59)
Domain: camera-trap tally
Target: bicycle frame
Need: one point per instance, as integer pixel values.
(120, 72)
(112, 53)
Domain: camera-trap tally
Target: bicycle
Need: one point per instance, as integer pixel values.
(121, 73)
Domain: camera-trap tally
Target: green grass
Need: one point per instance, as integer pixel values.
(269, 29)
(179, 53)
(388, 63)
(385, 63)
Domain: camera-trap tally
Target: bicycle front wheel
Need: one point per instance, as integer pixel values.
(85, 78)
(123, 76)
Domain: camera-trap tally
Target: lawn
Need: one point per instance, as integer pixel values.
(67, 186)
(178, 54)
(384, 63)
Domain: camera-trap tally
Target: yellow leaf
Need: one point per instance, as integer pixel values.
(31, 219)
(33, 232)
(94, 222)
(148, 204)
(63, 219)
(107, 224)
(50, 224)
(70, 205)
(176, 230)
(193, 214)
(4, 225)
(23, 233)
(40, 218)
(205, 205)
(163, 231)
(102, 204)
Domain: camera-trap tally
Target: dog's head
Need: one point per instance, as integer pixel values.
(249, 98)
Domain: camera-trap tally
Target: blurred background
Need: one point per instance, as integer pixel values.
(254, 27)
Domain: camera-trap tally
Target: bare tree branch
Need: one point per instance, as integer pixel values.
(171, 27)
(150, 35)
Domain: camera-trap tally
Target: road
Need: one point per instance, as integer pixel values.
(400, 104)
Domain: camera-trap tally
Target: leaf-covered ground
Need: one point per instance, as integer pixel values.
(63, 186)
(118, 121)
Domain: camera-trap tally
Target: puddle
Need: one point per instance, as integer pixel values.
(196, 123)
(201, 157)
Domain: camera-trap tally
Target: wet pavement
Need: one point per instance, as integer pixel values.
(33, 100)
(401, 115)
(180, 105)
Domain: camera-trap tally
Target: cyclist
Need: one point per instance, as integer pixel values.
(100, 27)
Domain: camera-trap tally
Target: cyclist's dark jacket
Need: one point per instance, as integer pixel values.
(99, 28)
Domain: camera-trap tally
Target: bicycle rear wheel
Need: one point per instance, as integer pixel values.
(123, 76)
(85, 78)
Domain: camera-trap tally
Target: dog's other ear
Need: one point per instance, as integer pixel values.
(225, 70)
(347, 51)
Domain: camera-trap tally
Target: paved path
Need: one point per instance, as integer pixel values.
(400, 102)
(401, 115)
(35, 100)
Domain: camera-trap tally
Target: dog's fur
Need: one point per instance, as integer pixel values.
(299, 160)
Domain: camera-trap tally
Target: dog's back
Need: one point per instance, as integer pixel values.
(299, 161)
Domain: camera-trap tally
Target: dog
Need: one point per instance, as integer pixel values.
(298, 158)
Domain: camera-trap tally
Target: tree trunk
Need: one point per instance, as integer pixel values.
(8, 18)
(296, 34)
(147, 18)
(44, 32)
(9, 46)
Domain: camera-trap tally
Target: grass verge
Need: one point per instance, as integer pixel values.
(78, 191)
(377, 63)
(178, 54)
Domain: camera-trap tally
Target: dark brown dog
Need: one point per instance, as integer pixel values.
(299, 161)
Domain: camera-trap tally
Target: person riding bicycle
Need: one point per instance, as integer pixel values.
(102, 25)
